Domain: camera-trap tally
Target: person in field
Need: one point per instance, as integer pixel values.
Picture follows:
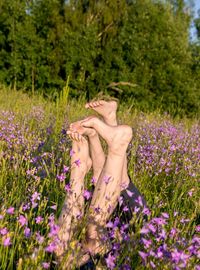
(110, 177)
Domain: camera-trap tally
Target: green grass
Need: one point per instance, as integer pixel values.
(32, 138)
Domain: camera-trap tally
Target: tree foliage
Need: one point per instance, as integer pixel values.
(136, 50)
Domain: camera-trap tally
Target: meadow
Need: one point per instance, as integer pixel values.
(164, 163)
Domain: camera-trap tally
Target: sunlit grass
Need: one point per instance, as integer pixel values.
(34, 152)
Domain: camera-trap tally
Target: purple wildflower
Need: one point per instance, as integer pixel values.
(27, 232)
(65, 169)
(3, 231)
(51, 247)
(46, 265)
(77, 162)
(39, 219)
(110, 261)
(93, 180)
(39, 238)
(7, 242)
(67, 188)
(71, 153)
(61, 177)
(87, 194)
(10, 210)
(107, 179)
(22, 220)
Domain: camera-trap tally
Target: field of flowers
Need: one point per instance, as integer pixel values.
(164, 163)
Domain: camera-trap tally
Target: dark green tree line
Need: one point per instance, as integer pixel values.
(137, 50)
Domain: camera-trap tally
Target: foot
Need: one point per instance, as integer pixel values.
(76, 127)
(117, 137)
(107, 109)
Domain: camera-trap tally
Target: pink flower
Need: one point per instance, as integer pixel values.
(3, 231)
(46, 265)
(7, 242)
(27, 232)
(87, 194)
(67, 188)
(110, 261)
(51, 247)
(77, 162)
(71, 153)
(39, 219)
(1, 217)
(65, 169)
(39, 238)
(61, 177)
(10, 210)
(22, 220)
(54, 207)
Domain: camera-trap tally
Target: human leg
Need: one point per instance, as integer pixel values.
(107, 190)
(73, 206)
(95, 147)
(108, 109)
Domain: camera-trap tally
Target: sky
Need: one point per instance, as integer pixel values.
(196, 8)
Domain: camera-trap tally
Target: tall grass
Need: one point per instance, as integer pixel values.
(164, 163)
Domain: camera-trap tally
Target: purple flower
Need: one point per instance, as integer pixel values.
(65, 169)
(26, 206)
(3, 231)
(87, 194)
(198, 228)
(46, 265)
(1, 217)
(165, 215)
(109, 224)
(61, 177)
(147, 243)
(39, 238)
(77, 162)
(110, 261)
(51, 247)
(107, 179)
(129, 193)
(71, 153)
(67, 188)
(93, 180)
(53, 230)
(35, 196)
(10, 210)
(22, 220)
(54, 207)
(7, 242)
(39, 219)
(144, 230)
(143, 255)
(27, 232)
(125, 209)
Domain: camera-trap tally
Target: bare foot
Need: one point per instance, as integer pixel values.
(107, 109)
(117, 137)
(77, 127)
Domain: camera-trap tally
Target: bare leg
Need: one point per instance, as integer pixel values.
(74, 201)
(107, 109)
(108, 189)
(96, 150)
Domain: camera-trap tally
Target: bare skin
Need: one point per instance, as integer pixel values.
(117, 139)
(96, 151)
(74, 202)
(108, 109)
